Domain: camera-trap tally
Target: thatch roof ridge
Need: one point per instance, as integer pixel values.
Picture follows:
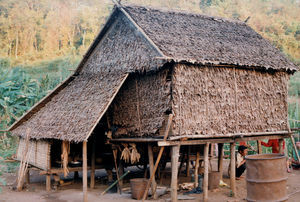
(182, 12)
(204, 39)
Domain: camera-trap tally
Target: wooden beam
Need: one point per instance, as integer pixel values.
(27, 176)
(261, 137)
(174, 165)
(196, 168)
(151, 166)
(220, 159)
(232, 169)
(205, 180)
(259, 148)
(169, 123)
(48, 183)
(192, 142)
(234, 135)
(115, 154)
(188, 161)
(136, 140)
(84, 171)
(60, 170)
(93, 166)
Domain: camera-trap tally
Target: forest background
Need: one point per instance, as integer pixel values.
(43, 41)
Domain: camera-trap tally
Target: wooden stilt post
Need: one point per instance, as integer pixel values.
(27, 176)
(220, 159)
(259, 148)
(166, 133)
(48, 182)
(92, 183)
(205, 180)
(151, 166)
(232, 169)
(281, 146)
(188, 161)
(174, 164)
(196, 168)
(84, 171)
(115, 154)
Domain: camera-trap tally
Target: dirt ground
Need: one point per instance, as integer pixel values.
(35, 192)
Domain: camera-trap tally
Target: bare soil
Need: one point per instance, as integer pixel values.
(35, 191)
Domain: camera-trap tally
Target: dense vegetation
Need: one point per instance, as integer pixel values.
(42, 41)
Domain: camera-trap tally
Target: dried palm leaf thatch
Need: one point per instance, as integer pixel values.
(125, 153)
(134, 156)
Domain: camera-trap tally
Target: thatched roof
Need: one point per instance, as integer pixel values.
(75, 110)
(203, 39)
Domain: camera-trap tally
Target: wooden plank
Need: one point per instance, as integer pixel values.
(93, 166)
(60, 170)
(48, 183)
(151, 166)
(169, 123)
(233, 135)
(262, 137)
(192, 142)
(174, 165)
(232, 169)
(197, 168)
(84, 170)
(136, 140)
(205, 180)
(220, 159)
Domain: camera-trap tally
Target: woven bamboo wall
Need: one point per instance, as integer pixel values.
(140, 107)
(38, 151)
(217, 101)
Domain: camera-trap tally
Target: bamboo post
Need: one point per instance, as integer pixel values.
(115, 152)
(159, 156)
(121, 172)
(280, 142)
(294, 145)
(232, 169)
(151, 166)
(48, 182)
(205, 180)
(174, 165)
(27, 176)
(92, 183)
(220, 159)
(259, 148)
(188, 162)
(197, 168)
(84, 171)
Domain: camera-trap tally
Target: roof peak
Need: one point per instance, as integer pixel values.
(180, 12)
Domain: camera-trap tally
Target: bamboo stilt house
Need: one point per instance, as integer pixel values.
(218, 77)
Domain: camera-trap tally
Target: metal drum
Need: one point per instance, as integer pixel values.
(266, 177)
